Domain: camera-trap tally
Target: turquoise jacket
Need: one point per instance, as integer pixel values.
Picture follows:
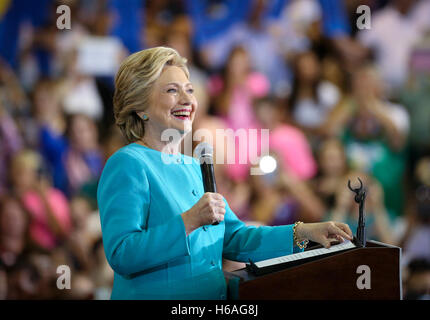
(141, 199)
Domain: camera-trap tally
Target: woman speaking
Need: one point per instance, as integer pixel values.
(156, 218)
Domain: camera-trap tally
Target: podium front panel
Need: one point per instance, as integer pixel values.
(363, 273)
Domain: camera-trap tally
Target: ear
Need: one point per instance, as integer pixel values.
(142, 115)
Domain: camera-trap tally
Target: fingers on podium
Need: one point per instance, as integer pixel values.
(340, 229)
(344, 227)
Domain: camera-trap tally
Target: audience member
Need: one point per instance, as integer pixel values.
(48, 208)
(83, 159)
(394, 32)
(312, 98)
(374, 132)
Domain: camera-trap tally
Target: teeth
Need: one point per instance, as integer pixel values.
(181, 113)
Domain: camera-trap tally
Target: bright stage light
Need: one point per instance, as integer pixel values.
(268, 164)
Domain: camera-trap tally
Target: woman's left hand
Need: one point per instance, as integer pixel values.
(324, 232)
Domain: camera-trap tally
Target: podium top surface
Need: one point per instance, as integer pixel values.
(254, 270)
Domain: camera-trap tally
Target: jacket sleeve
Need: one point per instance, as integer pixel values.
(124, 197)
(242, 242)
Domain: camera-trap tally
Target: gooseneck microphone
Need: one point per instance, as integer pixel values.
(360, 197)
(204, 153)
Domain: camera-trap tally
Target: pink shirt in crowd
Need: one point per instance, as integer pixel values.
(295, 152)
(40, 231)
(240, 112)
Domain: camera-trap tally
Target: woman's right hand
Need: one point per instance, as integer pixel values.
(209, 209)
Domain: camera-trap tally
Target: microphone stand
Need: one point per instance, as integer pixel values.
(360, 196)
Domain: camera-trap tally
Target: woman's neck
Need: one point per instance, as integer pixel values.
(162, 146)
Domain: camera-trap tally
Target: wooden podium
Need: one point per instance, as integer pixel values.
(335, 277)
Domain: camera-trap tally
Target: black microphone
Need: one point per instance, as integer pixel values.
(204, 152)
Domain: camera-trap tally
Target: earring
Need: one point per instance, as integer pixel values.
(143, 116)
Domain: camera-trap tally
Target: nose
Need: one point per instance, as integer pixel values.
(185, 98)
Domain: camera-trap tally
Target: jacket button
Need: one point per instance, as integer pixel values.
(212, 263)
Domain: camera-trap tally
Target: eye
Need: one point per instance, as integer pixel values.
(190, 91)
(171, 90)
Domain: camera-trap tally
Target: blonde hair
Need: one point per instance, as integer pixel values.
(26, 158)
(133, 85)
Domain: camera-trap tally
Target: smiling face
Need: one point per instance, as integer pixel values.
(172, 103)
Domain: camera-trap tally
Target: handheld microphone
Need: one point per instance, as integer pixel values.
(204, 152)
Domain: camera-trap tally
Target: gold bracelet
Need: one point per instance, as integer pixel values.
(304, 243)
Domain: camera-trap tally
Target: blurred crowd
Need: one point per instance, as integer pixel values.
(341, 103)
